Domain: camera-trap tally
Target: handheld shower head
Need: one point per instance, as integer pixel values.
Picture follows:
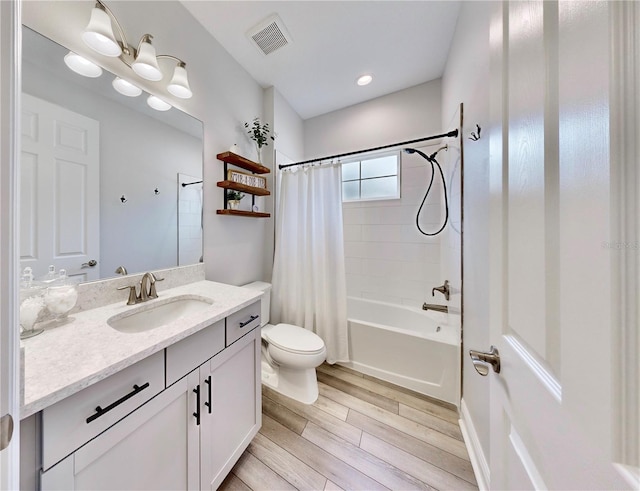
(428, 158)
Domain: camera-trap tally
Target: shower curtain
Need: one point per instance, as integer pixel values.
(309, 285)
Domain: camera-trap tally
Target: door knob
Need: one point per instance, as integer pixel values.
(90, 264)
(480, 360)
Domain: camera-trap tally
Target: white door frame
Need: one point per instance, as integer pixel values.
(10, 86)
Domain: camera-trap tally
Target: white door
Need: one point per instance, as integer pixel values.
(559, 418)
(59, 190)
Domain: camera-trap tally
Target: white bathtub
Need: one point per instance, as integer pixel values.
(407, 346)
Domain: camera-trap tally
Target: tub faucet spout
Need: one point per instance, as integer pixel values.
(437, 308)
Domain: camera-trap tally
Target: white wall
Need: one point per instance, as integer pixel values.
(386, 257)
(225, 96)
(288, 146)
(466, 80)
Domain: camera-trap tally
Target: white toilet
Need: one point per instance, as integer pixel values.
(290, 354)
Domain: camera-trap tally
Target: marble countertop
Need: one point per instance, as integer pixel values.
(64, 360)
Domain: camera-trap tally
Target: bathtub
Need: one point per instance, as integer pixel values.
(406, 346)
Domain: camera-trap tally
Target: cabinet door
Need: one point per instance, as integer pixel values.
(155, 447)
(235, 408)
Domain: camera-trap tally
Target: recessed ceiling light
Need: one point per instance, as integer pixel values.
(365, 80)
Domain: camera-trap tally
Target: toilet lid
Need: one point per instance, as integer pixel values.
(294, 338)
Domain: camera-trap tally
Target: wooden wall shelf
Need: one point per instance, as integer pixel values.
(238, 161)
(242, 213)
(246, 164)
(244, 188)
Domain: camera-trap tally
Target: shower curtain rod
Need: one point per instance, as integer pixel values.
(451, 134)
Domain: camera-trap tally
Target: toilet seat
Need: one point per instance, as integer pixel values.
(294, 339)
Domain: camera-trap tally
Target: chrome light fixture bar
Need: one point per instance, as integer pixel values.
(143, 60)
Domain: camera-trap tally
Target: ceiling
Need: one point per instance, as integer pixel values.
(400, 43)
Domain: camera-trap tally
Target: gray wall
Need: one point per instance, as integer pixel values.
(225, 96)
(466, 80)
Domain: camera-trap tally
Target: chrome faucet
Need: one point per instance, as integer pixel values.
(147, 289)
(437, 308)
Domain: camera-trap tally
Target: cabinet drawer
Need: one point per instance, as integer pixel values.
(242, 322)
(191, 352)
(72, 422)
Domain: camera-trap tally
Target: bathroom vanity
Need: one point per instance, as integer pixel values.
(170, 407)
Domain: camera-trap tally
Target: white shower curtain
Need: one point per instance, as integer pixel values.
(309, 285)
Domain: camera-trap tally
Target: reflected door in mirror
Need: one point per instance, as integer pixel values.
(60, 171)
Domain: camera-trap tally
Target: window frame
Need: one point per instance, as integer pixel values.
(372, 156)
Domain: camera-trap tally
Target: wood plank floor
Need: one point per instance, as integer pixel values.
(361, 433)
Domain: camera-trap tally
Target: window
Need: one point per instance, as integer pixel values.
(371, 178)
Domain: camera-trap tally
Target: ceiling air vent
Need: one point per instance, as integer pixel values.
(270, 35)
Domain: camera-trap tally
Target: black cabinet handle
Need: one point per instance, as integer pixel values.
(251, 319)
(100, 411)
(197, 413)
(208, 382)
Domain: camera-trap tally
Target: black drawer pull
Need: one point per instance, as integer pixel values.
(100, 411)
(251, 319)
(197, 413)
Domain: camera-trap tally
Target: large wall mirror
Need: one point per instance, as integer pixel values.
(102, 174)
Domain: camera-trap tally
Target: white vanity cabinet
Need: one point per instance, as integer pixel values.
(190, 434)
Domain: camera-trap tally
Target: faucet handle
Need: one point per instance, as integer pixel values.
(444, 289)
(133, 297)
(153, 293)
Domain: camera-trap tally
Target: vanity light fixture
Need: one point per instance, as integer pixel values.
(364, 80)
(143, 60)
(81, 65)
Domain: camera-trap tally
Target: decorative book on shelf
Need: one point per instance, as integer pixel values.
(243, 182)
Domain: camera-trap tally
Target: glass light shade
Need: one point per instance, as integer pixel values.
(81, 65)
(126, 88)
(146, 63)
(179, 85)
(157, 103)
(99, 35)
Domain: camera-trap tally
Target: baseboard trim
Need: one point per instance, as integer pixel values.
(472, 442)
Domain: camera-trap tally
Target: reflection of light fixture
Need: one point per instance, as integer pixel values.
(126, 88)
(99, 36)
(365, 80)
(81, 65)
(158, 104)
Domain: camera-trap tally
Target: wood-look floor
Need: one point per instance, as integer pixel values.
(361, 433)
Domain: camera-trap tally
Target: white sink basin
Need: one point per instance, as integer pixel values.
(157, 313)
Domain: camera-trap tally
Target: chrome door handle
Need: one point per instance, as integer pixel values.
(90, 264)
(6, 431)
(481, 359)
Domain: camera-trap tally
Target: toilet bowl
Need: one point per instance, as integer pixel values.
(290, 354)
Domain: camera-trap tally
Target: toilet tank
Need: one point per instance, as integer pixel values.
(266, 299)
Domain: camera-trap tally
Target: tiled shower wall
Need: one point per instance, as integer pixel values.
(387, 258)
